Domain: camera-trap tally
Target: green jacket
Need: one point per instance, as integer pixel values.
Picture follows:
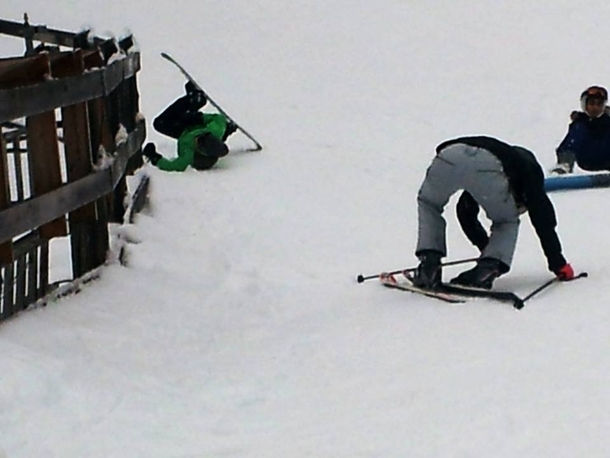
(213, 123)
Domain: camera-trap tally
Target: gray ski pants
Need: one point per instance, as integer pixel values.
(480, 173)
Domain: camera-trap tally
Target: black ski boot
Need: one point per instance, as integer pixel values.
(429, 272)
(482, 275)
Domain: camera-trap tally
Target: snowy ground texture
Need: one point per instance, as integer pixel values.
(238, 329)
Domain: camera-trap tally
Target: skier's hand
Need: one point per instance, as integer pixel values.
(150, 152)
(566, 273)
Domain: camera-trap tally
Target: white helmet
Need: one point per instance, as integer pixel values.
(593, 92)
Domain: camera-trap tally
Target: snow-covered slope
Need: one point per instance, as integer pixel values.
(238, 329)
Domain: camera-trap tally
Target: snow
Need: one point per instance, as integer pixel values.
(237, 328)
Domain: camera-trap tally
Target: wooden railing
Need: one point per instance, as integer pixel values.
(71, 132)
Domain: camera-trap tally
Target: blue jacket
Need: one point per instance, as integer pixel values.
(589, 140)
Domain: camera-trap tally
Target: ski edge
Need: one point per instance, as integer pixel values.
(501, 296)
(389, 281)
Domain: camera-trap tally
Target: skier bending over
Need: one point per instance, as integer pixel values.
(200, 136)
(505, 180)
(587, 142)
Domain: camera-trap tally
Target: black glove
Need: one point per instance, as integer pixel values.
(195, 96)
(150, 151)
(230, 129)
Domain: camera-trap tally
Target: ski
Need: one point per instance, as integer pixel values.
(389, 281)
(452, 293)
(501, 296)
(187, 75)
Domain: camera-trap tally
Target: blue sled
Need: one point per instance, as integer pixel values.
(564, 182)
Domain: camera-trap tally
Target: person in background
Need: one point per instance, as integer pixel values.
(505, 181)
(200, 136)
(587, 142)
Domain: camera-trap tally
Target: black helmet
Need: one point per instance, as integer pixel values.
(208, 145)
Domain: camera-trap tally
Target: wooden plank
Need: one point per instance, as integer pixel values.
(20, 283)
(78, 162)
(77, 141)
(17, 160)
(43, 281)
(93, 58)
(27, 70)
(44, 165)
(101, 137)
(32, 276)
(85, 252)
(8, 303)
(45, 34)
(34, 212)
(140, 198)
(6, 249)
(2, 289)
(55, 93)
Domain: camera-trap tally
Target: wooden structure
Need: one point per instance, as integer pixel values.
(71, 132)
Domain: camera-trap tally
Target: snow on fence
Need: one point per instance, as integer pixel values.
(71, 132)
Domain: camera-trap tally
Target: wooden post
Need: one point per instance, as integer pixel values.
(77, 148)
(99, 136)
(44, 165)
(43, 150)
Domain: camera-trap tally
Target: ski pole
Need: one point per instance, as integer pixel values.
(550, 282)
(360, 278)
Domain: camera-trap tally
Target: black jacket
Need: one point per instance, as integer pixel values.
(526, 179)
(598, 127)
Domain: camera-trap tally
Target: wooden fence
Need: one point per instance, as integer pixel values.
(71, 132)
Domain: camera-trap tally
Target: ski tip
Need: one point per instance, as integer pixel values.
(518, 304)
(386, 277)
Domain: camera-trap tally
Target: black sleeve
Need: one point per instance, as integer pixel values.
(543, 218)
(467, 213)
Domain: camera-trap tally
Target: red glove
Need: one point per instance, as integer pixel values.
(565, 273)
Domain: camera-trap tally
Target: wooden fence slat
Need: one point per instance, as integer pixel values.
(20, 283)
(101, 138)
(21, 217)
(17, 72)
(38, 98)
(44, 165)
(17, 161)
(44, 34)
(32, 276)
(6, 249)
(43, 281)
(8, 307)
(77, 146)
